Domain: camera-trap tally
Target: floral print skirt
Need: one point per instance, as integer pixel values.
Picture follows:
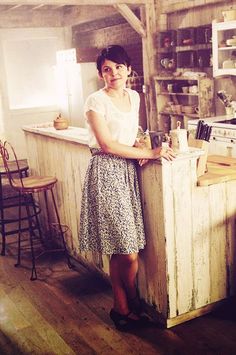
(111, 219)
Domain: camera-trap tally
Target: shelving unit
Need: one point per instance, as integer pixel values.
(222, 52)
(188, 47)
(202, 99)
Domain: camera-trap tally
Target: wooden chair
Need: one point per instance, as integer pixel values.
(26, 187)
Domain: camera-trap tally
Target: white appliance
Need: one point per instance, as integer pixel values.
(75, 81)
(223, 135)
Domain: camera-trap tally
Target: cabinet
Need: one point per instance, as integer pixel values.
(186, 48)
(224, 48)
(182, 98)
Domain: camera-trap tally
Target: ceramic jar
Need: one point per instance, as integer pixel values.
(60, 123)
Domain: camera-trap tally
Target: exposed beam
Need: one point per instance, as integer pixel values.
(131, 18)
(58, 6)
(13, 7)
(148, 16)
(37, 7)
(187, 4)
(73, 2)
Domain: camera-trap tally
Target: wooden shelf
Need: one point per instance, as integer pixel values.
(178, 93)
(226, 48)
(176, 78)
(193, 115)
(193, 47)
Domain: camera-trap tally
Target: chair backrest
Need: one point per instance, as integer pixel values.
(11, 163)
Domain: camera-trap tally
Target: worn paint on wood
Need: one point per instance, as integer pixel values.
(198, 258)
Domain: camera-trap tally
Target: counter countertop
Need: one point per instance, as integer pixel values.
(72, 134)
(80, 135)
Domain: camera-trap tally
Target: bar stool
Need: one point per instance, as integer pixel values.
(26, 186)
(9, 199)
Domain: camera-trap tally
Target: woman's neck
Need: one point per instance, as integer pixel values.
(117, 93)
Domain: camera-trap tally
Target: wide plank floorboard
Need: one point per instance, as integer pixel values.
(67, 312)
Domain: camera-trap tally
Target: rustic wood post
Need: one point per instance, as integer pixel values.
(148, 16)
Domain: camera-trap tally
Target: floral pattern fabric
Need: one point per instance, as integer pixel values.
(111, 219)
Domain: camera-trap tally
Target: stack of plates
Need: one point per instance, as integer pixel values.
(231, 41)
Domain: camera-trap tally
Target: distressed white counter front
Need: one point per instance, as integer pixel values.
(189, 260)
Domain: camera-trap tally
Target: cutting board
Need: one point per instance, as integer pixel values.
(211, 178)
(228, 161)
(216, 174)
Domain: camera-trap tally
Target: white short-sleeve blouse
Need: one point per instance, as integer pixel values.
(123, 126)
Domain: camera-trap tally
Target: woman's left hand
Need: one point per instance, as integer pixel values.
(143, 161)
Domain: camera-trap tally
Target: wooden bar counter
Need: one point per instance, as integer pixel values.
(189, 263)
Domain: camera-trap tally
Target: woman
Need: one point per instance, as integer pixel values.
(111, 215)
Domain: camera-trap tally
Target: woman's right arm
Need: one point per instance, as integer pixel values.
(108, 145)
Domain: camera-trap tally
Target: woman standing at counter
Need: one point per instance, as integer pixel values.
(111, 215)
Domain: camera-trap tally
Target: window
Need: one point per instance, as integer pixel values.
(30, 74)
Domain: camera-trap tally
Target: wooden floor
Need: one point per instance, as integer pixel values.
(66, 312)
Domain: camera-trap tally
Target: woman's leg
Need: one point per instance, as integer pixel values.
(119, 295)
(128, 272)
(123, 271)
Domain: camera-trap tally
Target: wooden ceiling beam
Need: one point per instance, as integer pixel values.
(37, 7)
(74, 2)
(59, 6)
(13, 7)
(131, 18)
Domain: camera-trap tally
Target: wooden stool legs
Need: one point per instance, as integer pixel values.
(27, 200)
(60, 229)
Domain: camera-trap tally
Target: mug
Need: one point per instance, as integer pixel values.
(170, 87)
(171, 64)
(156, 138)
(185, 89)
(193, 89)
(167, 63)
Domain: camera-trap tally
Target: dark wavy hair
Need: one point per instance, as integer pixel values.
(114, 53)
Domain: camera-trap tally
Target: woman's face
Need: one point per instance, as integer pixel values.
(114, 75)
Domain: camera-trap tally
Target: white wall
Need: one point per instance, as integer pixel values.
(22, 52)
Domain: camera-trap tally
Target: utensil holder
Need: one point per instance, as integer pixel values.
(202, 160)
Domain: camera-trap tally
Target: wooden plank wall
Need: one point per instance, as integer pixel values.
(152, 278)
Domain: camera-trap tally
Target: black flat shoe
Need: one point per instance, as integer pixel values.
(124, 322)
(136, 306)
